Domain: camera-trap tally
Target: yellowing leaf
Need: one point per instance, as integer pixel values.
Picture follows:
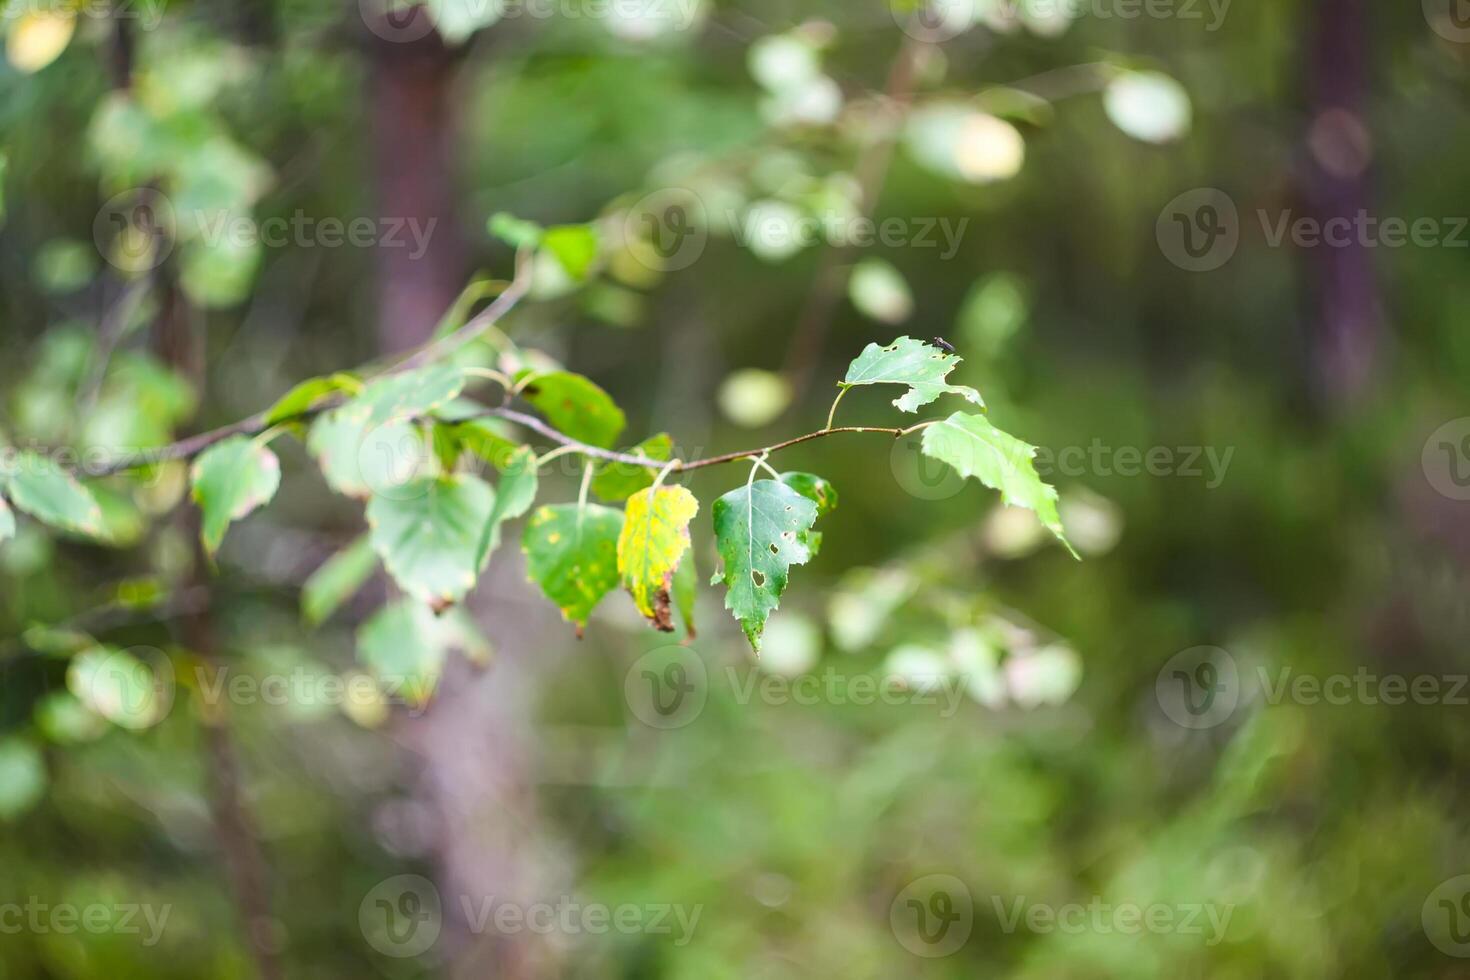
(37, 39)
(654, 538)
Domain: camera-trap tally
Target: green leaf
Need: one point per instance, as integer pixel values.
(878, 290)
(575, 406)
(7, 521)
(120, 687)
(428, 534)
(906, 361)
(63, 719)
(337, 580)
(654, 538)
(974, 447)
(618, 481)
(231, 479)
(513, 497)
(409, 394)
(48, 493)
(405, 645)
(22, 777)
(760, 532)
(307, 395)
(575, 247)
(686, 590)
(819, 492)
(515, 232)
(483, 437)
(572, 554)
(358, 460)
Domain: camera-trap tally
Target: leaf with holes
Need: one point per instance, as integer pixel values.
(337, 580)
(760, 532)
(574, 405)
(906, 361)
(654, 539)
(231, 479)
(48, 493)
(428, 534)
(572, 555)
(974, 447)
(617, 481)
(514, 496)
(819, 492)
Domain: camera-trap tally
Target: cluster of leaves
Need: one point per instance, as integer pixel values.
(409, 444)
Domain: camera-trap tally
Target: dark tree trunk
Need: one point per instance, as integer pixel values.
(1346, 308)
(412, 119)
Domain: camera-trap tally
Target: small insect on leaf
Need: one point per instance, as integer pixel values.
(944, 345)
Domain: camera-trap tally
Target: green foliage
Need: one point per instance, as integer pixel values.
(760, 532)
(572, 555)
(514, 495)
(974, 447)
(42, 489)
(337, 580)
(7, 521)
(405, 643)
(819, 492)
(905, 361)
(617, 481)
(231, 479)
(427, 532)
(574, 405)
(574, 246)
(654, 538)
(22, 777)
(308, 394)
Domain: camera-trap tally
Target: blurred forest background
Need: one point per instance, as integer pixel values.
(1259, 443)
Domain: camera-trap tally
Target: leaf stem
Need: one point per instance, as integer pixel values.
(832, 412)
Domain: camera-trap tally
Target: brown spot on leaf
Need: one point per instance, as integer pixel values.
(663, 614)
